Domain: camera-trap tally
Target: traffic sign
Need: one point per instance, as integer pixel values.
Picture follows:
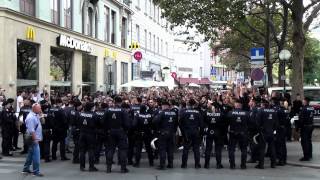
(137, 56)
(257, 74)
(257, 55)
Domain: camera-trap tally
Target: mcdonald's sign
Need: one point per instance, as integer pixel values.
(30, 33)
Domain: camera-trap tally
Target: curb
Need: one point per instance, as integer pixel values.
(308, 165)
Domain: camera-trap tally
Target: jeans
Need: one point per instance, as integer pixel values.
(33, 157)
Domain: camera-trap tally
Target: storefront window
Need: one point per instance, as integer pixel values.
(88, 73)
(27, 64)
(61, 69)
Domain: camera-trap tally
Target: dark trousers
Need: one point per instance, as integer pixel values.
(218, 145)
(166, 148)
(87, 144)
(6, 142)
(117, 138)
(267, 140)
(306, 141)
(234, 140)
(281, 147)
(61, 141)
(76, 150)
(192, 140)
(144, 138)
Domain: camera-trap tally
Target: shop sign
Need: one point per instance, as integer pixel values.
(72, 43)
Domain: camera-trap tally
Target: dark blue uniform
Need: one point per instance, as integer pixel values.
(238, 134)
(191, 125)
(116, 123)
(214, 132)
(305, 125)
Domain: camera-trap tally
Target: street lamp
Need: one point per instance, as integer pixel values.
(284, 56)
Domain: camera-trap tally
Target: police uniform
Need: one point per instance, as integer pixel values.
(191, 125)
(267, 124)
(142, 126)
(305, 125)
(238, 134)
(116, 123)
(24, 111)
(87, 140)
(166, 123)
(59, 131)
(214, 124)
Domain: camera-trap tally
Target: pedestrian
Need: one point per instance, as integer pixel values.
(34, 128)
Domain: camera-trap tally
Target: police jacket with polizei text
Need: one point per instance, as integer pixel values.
(116, 118)
(142, 122)
(268, 121)
(88, 122)
(306, 116)
(191, 121)
(214, 122)
(58, 119)
(166, 121)
(238, 120)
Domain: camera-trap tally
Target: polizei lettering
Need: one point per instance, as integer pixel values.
(69, 42)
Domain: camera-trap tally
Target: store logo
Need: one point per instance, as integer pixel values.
(30, 34)
(69, 42)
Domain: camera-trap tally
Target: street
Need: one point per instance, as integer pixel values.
(10, 169)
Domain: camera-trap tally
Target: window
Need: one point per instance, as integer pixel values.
(124, 33)
(154, 43)
(150, 44)
(28, 7)
(124, 73)
(90, 22)
(161, 48)
(88, 73)
(107, 25)
(166, 49)
(113, 27)
(158, 45)
(67, 8)
(138, 33)
(55, 11)
(145, 40)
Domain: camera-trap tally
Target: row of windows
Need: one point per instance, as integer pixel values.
(153, 44)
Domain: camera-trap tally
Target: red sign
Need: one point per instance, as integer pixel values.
(137, 56)
(174, 75)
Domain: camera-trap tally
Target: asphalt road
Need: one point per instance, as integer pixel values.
(10, 170)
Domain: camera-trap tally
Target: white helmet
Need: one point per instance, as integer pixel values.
(154, 143)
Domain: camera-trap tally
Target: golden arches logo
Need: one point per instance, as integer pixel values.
(30, 34)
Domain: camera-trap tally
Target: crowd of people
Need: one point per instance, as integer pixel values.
(157, 120)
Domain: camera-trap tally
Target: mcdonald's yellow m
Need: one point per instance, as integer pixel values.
(30, 33)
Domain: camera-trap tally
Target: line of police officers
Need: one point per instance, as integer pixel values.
(95, 126)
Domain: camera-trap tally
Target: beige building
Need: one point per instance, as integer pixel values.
(35, 53)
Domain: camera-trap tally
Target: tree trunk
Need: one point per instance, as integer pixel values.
(299, 41)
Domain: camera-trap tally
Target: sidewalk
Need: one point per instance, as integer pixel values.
(295, 153)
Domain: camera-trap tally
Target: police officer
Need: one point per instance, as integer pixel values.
(116, 123)
(142, 126)
(59, 131)
(88, 124)
(214, 124)
(280, 143)
(305, 126)
(46, 125)
(191, 125)
(238, 134)
(268, 124)
(75, 129)
(100, 133)
(24, 111)
(166, 123)
(8, 125)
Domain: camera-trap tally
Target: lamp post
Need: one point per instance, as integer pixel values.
(284, 56)
(108, 61)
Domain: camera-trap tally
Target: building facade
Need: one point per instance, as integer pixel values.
(64, 45)
(155, 39)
